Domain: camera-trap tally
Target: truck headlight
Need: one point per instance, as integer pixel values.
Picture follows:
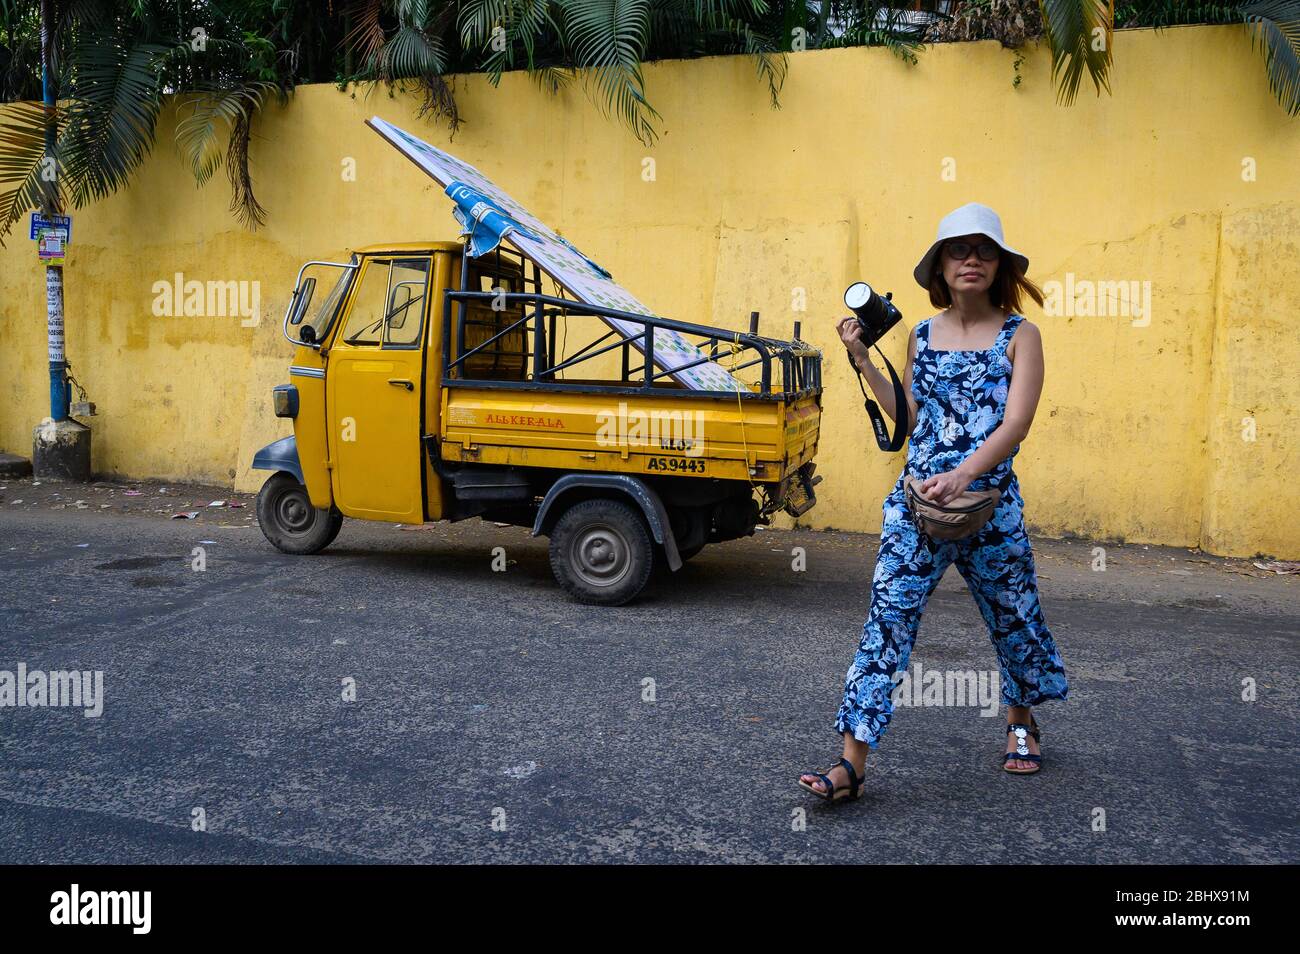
(284, 398)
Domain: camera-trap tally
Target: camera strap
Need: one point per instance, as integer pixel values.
(901, 429)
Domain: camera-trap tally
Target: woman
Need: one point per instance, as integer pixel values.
(971, 413)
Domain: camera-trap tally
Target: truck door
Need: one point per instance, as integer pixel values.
(373, 392)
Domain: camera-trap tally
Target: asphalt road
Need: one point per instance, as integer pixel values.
(497, 721)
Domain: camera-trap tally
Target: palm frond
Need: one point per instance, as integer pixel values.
(551, 79)
(210, 114)
(367, 36)
(242, 201)
(1076, 29)
(523, 23)
(1275, 26)
(411, 52)
(22, 154)
(115, 100)
(875, 24)
(606, 39)
(478, 19)
(769, 60)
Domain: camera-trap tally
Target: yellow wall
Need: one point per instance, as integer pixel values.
(1139, 434)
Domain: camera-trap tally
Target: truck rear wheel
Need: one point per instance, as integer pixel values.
(601, 552)
(288, 519)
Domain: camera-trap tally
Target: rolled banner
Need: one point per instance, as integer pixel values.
(482, 220)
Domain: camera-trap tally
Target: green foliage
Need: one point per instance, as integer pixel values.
(22, 145)
(112, 64)
(871, 24)
(115, 60)
(1079, 32)
(1163, 13)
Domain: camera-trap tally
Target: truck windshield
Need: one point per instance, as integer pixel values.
(323, 316)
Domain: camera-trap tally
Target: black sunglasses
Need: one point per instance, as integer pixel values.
(987, 251)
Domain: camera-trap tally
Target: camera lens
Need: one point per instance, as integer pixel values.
(857, 295)
(875, 314)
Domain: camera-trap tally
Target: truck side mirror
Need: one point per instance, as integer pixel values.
(302, 299)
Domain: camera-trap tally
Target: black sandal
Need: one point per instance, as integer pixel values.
(834, 793)
(1022, 754)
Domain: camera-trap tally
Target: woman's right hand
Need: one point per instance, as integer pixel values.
(850, 331)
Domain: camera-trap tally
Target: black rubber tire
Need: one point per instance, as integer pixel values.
(601, 552)
(290, 522)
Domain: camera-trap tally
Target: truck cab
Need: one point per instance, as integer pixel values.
(428, 385)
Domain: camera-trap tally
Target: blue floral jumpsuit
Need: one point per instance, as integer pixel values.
(961, 397)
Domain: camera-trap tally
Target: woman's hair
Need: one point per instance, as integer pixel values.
(1008, 285)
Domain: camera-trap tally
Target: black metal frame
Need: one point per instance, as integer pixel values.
(799, 363)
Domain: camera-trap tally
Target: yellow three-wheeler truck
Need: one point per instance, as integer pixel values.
(431, 385)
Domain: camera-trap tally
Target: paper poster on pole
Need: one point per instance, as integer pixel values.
(50, 246)
(488, 216)
(51, 233)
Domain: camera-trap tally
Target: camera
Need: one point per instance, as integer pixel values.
(875, 315)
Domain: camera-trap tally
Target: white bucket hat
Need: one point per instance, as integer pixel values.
(972, 218)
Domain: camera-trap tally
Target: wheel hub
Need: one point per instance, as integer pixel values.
(601, 555)
(294, 513)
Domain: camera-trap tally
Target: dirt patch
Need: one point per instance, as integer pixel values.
(159, 500)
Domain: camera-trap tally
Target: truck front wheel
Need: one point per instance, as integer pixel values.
(288, 519)
(601, 552)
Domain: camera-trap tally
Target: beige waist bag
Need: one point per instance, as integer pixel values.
(961, 517)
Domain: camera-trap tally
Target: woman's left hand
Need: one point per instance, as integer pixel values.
(942, 488)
